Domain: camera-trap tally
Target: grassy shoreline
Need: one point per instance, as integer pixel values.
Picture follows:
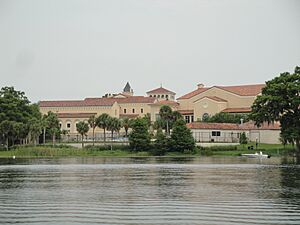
(60, 151)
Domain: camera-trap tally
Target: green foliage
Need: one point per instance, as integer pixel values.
(103, 122)
(139, 138)
(181, 137)
(126, 123)
(161, 144)
(15, 115)
(93, 124)
(280, 101)
(114, 125)
(223, 117)
(243, 138)
(82, 128)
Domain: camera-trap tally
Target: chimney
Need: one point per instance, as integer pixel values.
(200, 86)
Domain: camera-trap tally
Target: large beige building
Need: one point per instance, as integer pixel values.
(194, 106)
(119, 105)
(207, 101)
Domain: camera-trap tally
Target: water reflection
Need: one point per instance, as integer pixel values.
(149, 191)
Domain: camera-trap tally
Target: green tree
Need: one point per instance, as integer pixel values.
(114, 125)
(126, 123)
(93, 124)
(165, 114)
(181, 137)
(243, 139)
(6, 130)
(44, 123)
(280, 101)
(161, 144)
(224, 117)
(102, 122)
(35, 129)
(82, 128)
(139, 138)
(53, 125)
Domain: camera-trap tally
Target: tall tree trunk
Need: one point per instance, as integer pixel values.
(104, 136)
(93, 136)
(82, 144)
(168, 128)
(112, 135)
(7, 143)
(126, 132)
(44, 135)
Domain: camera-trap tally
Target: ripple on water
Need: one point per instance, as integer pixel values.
(138, 193)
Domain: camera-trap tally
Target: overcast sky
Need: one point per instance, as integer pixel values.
(71, 49)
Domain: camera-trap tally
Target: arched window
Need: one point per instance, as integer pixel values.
(205, 116)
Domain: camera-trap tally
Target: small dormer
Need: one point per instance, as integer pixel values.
(161, 94)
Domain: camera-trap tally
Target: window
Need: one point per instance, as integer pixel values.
(187, 119)
(124, 111)
(216, 133)
(154, 96)
(150, 95)
(133, 111)
(162, 96)
(69, 125)
(142, 110)
(158, 96)
(60, 125)
(192, 118)
(167, 96)
(205, 116)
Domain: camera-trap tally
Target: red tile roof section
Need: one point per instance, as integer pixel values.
(237, 110)
(97, 102)
(160, 90)
(193, 93)
(215, 98)
(75, 115)
(231, 126)
(242, 90)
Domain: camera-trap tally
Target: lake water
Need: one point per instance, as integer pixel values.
(149, 191)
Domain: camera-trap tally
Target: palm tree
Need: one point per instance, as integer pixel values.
(165, 113)
(53, 125)
(35, 129)
(82, 128)
(92, 122)
(44, 126)
(126, 123)
(102, 122)
(114, 124)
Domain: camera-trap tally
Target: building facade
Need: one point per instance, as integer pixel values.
(119, 105)
(207, 101)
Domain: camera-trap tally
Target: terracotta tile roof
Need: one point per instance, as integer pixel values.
(186, 112)
(217, 126)
(97, 102)
(160, 90)
(215, 98)
(265, 126)
(75, 115)
(193, 93)
(237, 110)
(166, 102)
(231, 126)
(242, 90)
